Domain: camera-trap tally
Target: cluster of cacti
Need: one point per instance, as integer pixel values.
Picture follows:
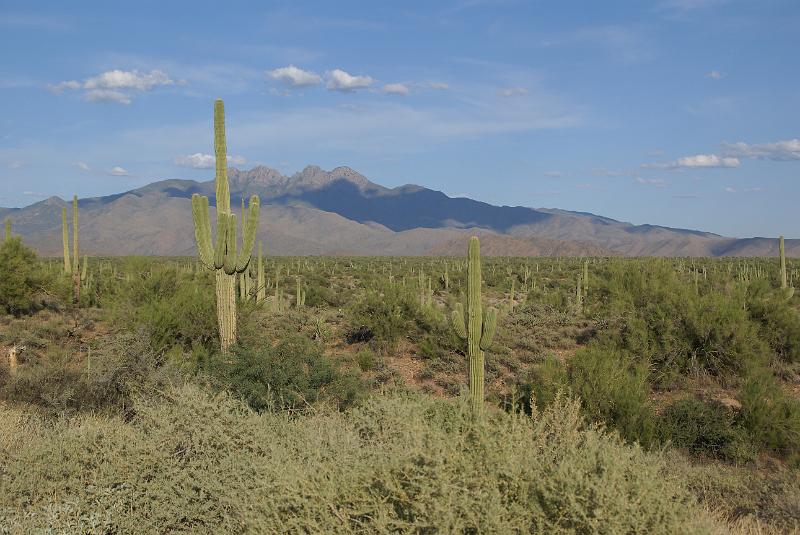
(72, 266)
(475, 326)
(222, 256)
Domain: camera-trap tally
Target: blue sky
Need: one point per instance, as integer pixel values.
(683, 113)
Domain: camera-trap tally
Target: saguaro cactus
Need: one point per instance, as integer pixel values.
(261, 290)
(65, 240)
(473, 326)
(76, 273)
(222, 256)
(8, 229)
(783, 262)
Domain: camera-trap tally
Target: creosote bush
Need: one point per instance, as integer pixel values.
(192, 462)
(291, 375)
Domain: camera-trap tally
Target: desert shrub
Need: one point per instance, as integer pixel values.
(104, 380)
(382, 316)
(613, 389)
(401, 464)
(172, 308)
(721, 337)
(779, 322)
(543, 382)
(770, 416)
(21, 277)
(365, 359)
(705, 427)
(290, 375)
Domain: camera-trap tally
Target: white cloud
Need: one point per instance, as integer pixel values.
(205, 161)
(107, 95)
(744, 190)
(786, 150)
(657, 182)
(118, 80)
(339, 80)
(698, 161)
(705, 160)
(688, 5)
(83, 166)
(16, 164)
(294, 76)
(119, 171)
(513, 91)
(438, 85)
(716, 75)
(395, 89)
(115, 85)
(61, 86)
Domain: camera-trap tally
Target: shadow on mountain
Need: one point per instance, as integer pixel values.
(410, 207)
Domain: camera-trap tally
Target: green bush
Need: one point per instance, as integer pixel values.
(705, 427)
(172, 308)
(21, 277)
(190, 462)
(779, 322)
(614, 389)
(104, 380)
(543, 382)
(770, 416)
(291, 375)
(382, 316)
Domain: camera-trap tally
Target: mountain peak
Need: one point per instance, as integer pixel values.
(260, 175)
(314, 176)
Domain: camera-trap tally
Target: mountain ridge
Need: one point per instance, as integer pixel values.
(341, 211)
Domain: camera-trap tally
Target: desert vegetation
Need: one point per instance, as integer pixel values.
(237, 392)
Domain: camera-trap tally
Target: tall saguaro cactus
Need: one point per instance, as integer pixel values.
(222, 255)
(783, 262)
(474, 326)
(76, 273)
(65, 240)
(8, 229)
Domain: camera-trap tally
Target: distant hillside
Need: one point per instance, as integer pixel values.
(319, 212)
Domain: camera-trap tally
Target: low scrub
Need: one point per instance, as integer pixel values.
(193, 462)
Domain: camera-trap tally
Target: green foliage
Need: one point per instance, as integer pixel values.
(770, 416)
(613, 388)
(20, 277)
(544, 381)
(103, 380)
(170, 308)
(382, 316)
(365, 360)
(291, 375)
(705, 427)
(190, 462)
(778, 321)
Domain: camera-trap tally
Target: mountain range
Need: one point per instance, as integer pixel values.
(341, 212)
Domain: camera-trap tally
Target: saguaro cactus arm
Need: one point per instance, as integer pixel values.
(489, 327)
(249, 233)
(202, 229)
(457, 319)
